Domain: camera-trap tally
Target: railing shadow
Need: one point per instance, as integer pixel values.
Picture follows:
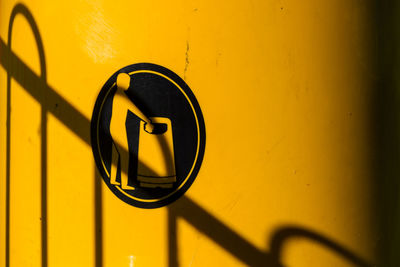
(239, 247)
(184, 208)
(22, 10)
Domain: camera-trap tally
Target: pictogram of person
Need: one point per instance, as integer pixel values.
(120, 150)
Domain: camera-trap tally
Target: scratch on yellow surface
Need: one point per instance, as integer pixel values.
(96, 34)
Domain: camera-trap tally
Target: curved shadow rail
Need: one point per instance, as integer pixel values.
(22, 10)
(282, 235)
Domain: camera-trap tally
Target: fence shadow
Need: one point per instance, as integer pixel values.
(184, 208)
(22, 10)
(239, 247)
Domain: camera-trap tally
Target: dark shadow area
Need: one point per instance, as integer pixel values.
(183, 208)
(386, 132)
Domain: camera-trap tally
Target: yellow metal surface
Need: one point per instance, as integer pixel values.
(284, 87)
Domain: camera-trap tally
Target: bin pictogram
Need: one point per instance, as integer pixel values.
(148, 135)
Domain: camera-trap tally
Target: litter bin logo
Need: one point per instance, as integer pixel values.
(148, 135)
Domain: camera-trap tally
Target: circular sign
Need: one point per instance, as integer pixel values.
(148, 135)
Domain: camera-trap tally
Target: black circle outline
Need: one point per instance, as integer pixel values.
(201, 137)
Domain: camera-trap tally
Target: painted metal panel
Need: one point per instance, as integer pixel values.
(286, 89)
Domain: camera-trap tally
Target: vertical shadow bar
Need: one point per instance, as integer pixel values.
(98, 217)
(44, 185)
(24, 11)
(172, 239)
(8, 153)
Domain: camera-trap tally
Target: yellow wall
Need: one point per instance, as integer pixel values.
(285, 87)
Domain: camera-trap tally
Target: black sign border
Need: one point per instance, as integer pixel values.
(202, 134)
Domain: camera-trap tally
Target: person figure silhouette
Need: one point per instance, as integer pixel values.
(120, 149)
